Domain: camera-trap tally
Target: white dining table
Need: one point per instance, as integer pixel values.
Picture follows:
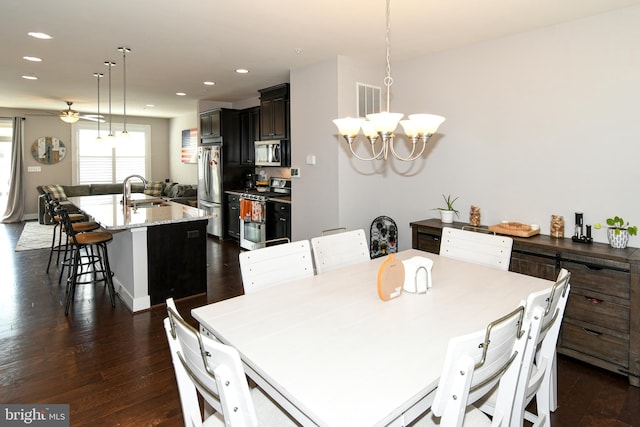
(332, 353)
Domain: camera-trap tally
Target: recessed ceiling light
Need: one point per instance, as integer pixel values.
(181, 94)
(242, 71)
(32, 58)
(42, 36)
(209, 83)
(30, 77)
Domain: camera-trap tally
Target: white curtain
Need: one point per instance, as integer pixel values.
(15, 202)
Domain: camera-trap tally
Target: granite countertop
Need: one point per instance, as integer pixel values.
(107, 210)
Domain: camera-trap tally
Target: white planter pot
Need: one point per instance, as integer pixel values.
(618, 240)
(446, 217)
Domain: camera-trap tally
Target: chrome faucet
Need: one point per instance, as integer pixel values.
(126, 189)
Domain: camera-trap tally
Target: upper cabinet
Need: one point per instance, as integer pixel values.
(274, 109)
(219, 125)
(210, 124)
(249, 133)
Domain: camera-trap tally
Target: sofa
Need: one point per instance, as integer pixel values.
(170, 191)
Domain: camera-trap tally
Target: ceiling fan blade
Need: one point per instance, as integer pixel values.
(93, 118)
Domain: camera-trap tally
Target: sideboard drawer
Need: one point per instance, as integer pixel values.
(537, 265)
(597, 309)
(428, 243)
(603, 346)
(595, 277)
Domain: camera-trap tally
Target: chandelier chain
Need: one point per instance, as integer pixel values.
(388, 80)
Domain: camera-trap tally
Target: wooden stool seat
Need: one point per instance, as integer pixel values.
(73, 217)
(85, 226)
(93, 237)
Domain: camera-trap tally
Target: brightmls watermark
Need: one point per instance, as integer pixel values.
(55, 415)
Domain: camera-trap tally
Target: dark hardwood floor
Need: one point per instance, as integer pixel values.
(114, 368)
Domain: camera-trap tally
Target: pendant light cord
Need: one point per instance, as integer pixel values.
(124, 51)
(110, 64)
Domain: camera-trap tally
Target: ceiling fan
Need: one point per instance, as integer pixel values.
(72, 116)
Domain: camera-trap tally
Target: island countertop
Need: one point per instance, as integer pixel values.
(107, 210)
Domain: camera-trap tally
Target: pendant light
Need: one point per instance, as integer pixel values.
(110, 137)
(69, 115)
(124, 51)
(98, 76)
(381, 126)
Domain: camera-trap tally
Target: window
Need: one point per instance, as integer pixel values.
(101, 162)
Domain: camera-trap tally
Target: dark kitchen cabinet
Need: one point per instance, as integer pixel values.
(219, 126)
(274, 112)
(249, 133)
(601, 324)
(233, 216)
(278, 220)
(177, 260)
(210, 125)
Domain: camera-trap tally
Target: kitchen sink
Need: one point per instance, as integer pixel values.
(143, 204)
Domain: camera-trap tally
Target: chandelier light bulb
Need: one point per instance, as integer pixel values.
(380, 127)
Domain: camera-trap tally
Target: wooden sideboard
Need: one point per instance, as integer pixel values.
(601, 325)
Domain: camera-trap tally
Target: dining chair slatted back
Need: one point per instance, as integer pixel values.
(474, 364)
(339, 250)
(274, 265)
(214, 370)
(537, 371)
(540, 373)
(192, 372)
(479, 248)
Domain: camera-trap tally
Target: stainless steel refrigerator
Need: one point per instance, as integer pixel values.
(210, 185)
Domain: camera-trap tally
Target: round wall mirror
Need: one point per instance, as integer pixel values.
(48, 150)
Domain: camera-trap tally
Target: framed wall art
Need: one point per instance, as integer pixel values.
(189, 151)
(48, 150)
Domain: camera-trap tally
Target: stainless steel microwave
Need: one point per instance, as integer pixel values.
(268, 153)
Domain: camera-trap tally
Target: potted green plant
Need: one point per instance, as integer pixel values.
(447, 212)
(619, 231)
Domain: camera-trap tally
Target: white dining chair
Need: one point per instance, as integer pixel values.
(274, 265)
(214, 370)
(474, 365)
(538, 369)
(339, 250)
(477, 247)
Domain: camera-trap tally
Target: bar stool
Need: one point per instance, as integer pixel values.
(95, 258)
(79, 219)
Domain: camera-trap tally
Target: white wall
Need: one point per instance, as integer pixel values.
(540, 123)
(315, 193)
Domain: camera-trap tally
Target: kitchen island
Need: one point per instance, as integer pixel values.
(158, 250)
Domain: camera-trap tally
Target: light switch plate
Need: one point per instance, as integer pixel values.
(34, 169)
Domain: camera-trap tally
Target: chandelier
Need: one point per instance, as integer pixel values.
(381, 126)
(69, 115)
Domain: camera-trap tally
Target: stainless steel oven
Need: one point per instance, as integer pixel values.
(253, 221)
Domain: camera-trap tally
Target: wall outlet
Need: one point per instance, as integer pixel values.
(295, 172)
